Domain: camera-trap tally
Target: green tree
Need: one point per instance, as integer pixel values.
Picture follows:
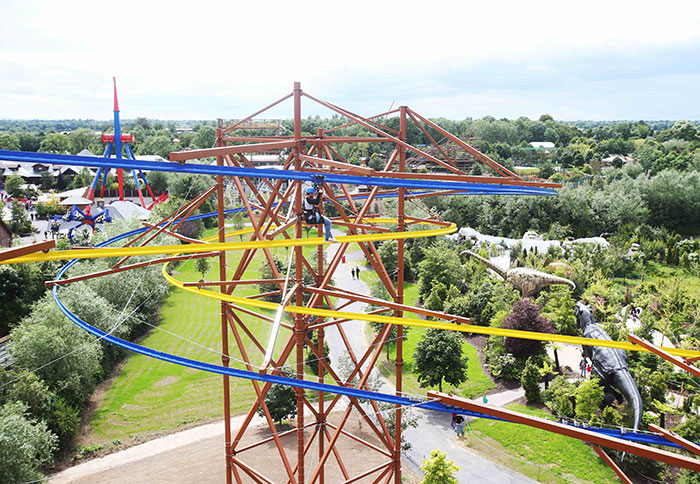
(25, 445)
(546, 170)
(589, 396)
(54, 143)
(9, 141)
(44, 404)
(12, 185)
(439, 357)
(281, 402)
(158, 181)
(388, 253)
(441, 264)
(311, 361)
(29, 142)
(19, 223)
(82, 179)
(438, 470)
(436, 299)
(47, 180)
(376, 162)
(82, 139)
(559, 309)
(205, 137)
(157, 145)
(47, 335)
(202, 265)
(530, 381)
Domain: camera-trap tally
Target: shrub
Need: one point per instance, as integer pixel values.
(49, 208)
(525, 316)
(44, 404)
(47, 335)
(506, 367)
(530, 381)
(589, 396)
(24, 444)
(558, 397)
(611, 416)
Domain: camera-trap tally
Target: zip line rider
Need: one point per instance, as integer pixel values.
(312, 215)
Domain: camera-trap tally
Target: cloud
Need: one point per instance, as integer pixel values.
(200, 60)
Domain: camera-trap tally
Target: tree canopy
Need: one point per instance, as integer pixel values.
(439, 356)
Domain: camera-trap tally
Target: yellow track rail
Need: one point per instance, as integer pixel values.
(206, 246)
(420, 323)
(209, 247)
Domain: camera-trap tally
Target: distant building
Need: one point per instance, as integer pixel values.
(31, 172)
(610, 160)
(542, 145)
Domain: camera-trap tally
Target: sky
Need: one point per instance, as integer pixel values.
(599, 60)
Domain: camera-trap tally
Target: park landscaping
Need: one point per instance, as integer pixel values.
(148, 397)
(541, 455)
(477, 383)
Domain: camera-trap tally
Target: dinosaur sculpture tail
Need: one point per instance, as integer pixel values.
(488, 263)
(626, 385)
(552, 279)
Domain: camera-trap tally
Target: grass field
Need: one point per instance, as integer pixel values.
(150, 396)
(477, 384)
(562, 455)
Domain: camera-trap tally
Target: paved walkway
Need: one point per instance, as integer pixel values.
(434, 430)
(152, 461)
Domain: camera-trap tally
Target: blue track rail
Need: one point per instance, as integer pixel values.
(305, 384)
(291, 175)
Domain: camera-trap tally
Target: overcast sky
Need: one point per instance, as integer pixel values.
(202, 60)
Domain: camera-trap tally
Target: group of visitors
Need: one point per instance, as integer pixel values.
(585, 367)
(355, 271)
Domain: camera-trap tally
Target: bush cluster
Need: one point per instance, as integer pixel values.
(57, 364)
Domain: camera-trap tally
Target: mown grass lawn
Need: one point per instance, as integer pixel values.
(563, 455)
(150, 396)
(477, 384)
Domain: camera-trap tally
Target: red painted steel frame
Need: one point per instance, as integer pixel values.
(678, 361)
(268, 221)
(569, 431)
(27, 249)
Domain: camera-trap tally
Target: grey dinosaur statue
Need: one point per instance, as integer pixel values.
(608, 364)
(527, 280)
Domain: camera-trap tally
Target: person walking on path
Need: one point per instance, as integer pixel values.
(588, 369)
(582, 366)
(459, 425)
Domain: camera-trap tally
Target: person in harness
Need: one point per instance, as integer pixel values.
(312, 215)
